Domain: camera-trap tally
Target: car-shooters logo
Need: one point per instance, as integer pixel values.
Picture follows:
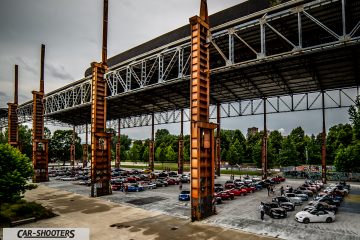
(46, 233)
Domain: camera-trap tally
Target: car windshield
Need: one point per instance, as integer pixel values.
(185, 192)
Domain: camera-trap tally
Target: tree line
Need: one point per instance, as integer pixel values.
(342, 142)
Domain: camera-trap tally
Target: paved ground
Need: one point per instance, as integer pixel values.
(165, 209)
(107, 220)
(242, 213)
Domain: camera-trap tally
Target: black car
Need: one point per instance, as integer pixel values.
(321, 206)
(274, 210)
(218, 187)
(285, 202)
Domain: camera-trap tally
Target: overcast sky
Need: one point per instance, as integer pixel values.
(72, 31)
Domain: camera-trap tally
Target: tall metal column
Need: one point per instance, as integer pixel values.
(85, 147)
(264, 162)
(151, 145)
(323, 146)
(181, 144)
(100, 139)
(40, 145)
(118, 147)
(202, 131)
(218, 141)
(72, 148)
(13, 135)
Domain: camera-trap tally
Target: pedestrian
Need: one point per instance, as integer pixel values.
(272, 190)
(290, 189)
(282, 191)
(180, 186)
(262, 211)
(268, 189)
(126, 189)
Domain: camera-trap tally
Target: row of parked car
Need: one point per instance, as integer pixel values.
(236, 187)
(123, 180)
(322, 208)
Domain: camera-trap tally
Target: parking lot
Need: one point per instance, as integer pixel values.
(242, 212)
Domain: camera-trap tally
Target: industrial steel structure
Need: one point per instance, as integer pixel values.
(297, 56)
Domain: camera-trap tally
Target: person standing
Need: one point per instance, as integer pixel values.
(180, 186)
(282, 191)
(268, 189)
(262, 211)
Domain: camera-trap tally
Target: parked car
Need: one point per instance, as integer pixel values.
(296, 200)
(238, 182)
(225, 195)
(161, 183)
(185, 178)
(218, 187)
(321, 206)
(135, 188)
(238, 191)
(184, 195)
(173, 181)
(285, 202)
(229, 184)
(274, 210)
(304, 197)
(315, 216)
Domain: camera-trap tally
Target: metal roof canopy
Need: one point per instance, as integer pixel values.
(325, 60)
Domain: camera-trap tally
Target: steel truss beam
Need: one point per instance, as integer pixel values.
(171, 62)
(341, 98)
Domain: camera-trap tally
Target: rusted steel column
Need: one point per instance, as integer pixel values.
(118, 145)
(100, 139)
(264, 162)
(323, 146)
(40, 145)
(72, 148)
(181, 144)
(151, 145)
(202, 132)
(218, 141)
(13, 135)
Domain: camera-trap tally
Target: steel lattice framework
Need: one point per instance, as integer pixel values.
(288, 50)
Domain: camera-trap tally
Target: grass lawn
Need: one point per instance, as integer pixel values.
(22, 209)
(174, 167)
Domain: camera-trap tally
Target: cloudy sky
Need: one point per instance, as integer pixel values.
(71, 31)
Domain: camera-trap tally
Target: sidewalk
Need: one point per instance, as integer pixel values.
(108, 221)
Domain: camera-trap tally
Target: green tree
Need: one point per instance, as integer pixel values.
(136, 151)
(297, 137)
(338, 134)
(274, 146)
(235, 153)
(313, 149)
(15, 170)
(288, 154)
(354, 112)
(160, 153)
(347, 159)
(187, 148)
(171, 155)
(59, 147)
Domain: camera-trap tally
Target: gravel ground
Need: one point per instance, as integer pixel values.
(242, 213)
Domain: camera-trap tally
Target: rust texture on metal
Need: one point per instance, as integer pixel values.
(152, 145)
(105, 30)
(40, 145)
(100, 140)
(202, 132)
(85, 148)
(13, 135)
(181, 144)
(323, 145)
(264, 162)
(118, 147)
(218, 141)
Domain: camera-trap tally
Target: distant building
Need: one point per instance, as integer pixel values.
(252, 131)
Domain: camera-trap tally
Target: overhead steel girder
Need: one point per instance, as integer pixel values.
(334, 99)
(258, 34)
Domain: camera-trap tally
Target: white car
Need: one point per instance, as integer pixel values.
(315, 216)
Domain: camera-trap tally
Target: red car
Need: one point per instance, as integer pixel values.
(247, 189)
(172, 181)
(117, 186)
(225, 195)
(238, 191)
(229, 184)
